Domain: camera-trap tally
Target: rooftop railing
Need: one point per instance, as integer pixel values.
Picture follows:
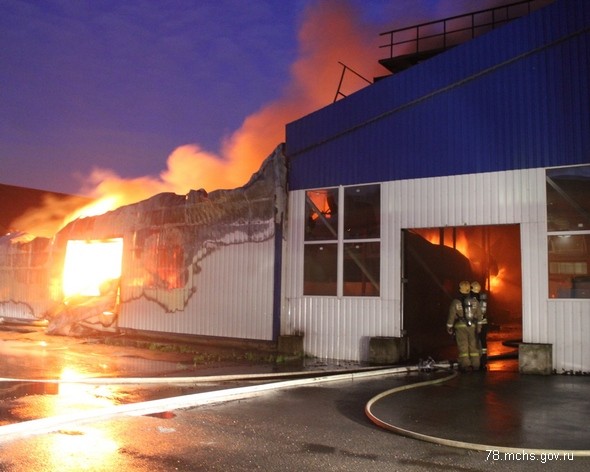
(426, 39)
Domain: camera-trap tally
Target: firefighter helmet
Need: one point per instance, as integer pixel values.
(475, 287)
(464, 287)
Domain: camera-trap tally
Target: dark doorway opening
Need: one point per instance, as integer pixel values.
(435, 260)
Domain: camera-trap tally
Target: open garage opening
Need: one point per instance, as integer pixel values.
(435, 260)
(90, 264)
(90, 285)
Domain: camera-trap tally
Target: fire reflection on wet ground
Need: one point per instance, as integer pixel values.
(34, 355)
(40, 375)
(503, 348)
(81, 449)
(56, 364)
(23, 401)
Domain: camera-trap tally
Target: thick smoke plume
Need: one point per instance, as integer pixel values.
(331, 32)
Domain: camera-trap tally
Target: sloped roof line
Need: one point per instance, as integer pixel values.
(441, 90)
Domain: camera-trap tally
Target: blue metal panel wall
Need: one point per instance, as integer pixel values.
(515, 98)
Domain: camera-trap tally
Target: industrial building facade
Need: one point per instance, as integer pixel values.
(493, 132)
(473, 163)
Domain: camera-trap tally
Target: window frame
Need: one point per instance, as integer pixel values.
(340, 241)
(561, 233)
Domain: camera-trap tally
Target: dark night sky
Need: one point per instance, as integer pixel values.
(124, 85)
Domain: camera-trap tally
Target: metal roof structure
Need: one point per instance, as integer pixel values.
(514, 98)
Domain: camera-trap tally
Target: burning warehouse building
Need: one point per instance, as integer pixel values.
(471, 163)
(199, 263)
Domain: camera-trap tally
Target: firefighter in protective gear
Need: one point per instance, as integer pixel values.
(464, 315)
(482, 297)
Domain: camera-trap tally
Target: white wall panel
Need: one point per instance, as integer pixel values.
(24, 281)
(21, 311)
(334, 328)
(339, 328)
(233, 297)
(569, 332)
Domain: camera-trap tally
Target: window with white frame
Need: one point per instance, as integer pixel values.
(342, 245)
(568, 231)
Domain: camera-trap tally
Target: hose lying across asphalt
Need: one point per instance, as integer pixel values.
(23, 429)
(15, 431)
(452, 442)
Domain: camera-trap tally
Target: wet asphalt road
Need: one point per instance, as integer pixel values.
(308, 428)
(298, 429)
(39, 374)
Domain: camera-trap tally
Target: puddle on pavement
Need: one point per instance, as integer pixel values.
(28, 401)
(166, 415)
(39, 360)
(29, 357)
(40, 377)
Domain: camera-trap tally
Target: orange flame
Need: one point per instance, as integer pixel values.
(320, 200)
(89, 265)
(98, 207)
(331, 32)
(461, 244)
(497, 281)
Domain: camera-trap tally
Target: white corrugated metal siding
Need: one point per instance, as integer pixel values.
(568, 329)
(338, 328)
(201, 263)
(225, 302)
(24, 281)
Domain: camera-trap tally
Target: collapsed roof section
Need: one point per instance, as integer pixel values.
(167, 237)
(166, 241)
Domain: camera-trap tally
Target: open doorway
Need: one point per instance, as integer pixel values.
(90, 285)
(90, 264)
(435, 260)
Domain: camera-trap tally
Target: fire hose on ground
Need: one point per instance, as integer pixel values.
(51, 424)
(47, 425)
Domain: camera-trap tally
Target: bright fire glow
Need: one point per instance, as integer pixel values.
(80, 448)
(98, 207)
(461, 244)
(496, 281)
(88, 264)
(320, 199)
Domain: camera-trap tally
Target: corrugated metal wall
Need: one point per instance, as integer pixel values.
(568, 329)
(233, 297)
(201, 263)
(24, 277)
(334, 328)
(228, 246)
(514, 98)
(339, 328)
(461, 139)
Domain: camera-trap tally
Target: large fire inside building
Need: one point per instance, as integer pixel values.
(470, 163)
(151, 259)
